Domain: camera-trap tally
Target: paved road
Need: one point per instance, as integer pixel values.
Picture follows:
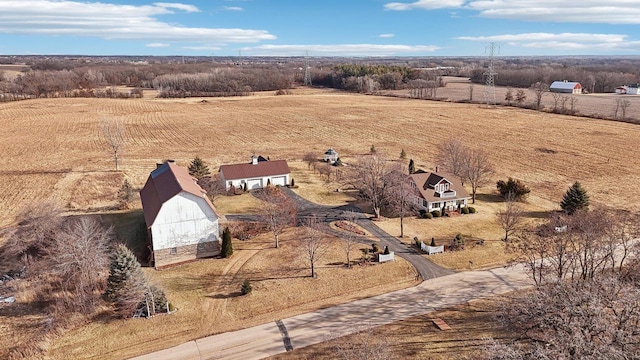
(307, 329)
(426, 268)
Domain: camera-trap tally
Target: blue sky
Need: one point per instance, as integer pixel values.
(321, 27)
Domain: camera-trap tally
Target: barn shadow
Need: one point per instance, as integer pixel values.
(130, 229)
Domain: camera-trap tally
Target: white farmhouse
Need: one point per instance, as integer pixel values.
(182, 223)
(257, 174)
(438, 191)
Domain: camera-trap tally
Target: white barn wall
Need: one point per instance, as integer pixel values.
(184, 220)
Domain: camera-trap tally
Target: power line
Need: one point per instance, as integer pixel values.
(307, 71)
(490, 94)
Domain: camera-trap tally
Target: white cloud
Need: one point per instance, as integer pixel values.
(585, 11)
(424, 4)
(112, 21)
(340, 50)
(386, 36)
(203, 48)
(183, 7)
(158, 45)
(233, 8)
(561, 41)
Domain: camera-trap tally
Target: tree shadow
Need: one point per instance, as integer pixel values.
(538, 214)
(490, 198)
(230, 295)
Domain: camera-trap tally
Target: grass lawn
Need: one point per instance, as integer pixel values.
(207, 296)
(315, 189)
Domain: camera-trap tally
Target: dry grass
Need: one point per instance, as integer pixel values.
(209, 302)
(237, 204)
(419, 338)
(313, 188)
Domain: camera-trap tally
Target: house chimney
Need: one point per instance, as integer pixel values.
(254, 160)
(158, 165)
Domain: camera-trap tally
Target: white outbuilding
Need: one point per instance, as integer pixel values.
(257, 174)
(330, 156)
(182, 223)
(568, 87)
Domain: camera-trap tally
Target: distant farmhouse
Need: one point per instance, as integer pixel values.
(256, 174)
(568, 87)
(438, 190)
(182, 223)
(628, 89)
(330, 156)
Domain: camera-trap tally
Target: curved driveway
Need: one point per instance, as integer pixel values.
(426, 268)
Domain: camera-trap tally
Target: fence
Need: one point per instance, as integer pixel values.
(431, 249)
(385, 258)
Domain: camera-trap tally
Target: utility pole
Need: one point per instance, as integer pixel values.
(307, 71)
(490, 95)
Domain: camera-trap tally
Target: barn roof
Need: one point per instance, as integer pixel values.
(165, 182)
(566, 85)
(425, 182)
(249, 170)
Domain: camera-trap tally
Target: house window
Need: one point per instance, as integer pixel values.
(435, 205)
(173, 251)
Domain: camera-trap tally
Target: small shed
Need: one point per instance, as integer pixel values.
(330, 156)
(567, 87)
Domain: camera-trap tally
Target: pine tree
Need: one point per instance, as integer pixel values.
(198, 169)
(245, 187)
(293, 183)
(412, 167)
(227, 246)
(246, 287)
(126, 285)
(576, 198)
(125, 194)
(403, 155)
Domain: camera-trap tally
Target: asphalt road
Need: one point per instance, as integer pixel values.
(311, 328)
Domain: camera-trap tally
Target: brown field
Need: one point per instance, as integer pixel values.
(51, 144)
(594, 105)
(53, 148)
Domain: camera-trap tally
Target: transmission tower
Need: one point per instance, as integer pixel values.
(490, 95)
(307, 72)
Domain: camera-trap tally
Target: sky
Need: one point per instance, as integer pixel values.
(320, 27)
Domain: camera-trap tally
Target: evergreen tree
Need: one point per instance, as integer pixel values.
(386, 250)
(338, 162)
(576, 198)
(293, 183)
(227, 246)
(513, 188)
(412, 167)
(403, 155)
(125, 194)
(246, 287)
(198, 169)
(245, 187)
(126, 285)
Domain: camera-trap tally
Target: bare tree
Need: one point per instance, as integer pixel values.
(477, 169)
(622, 105)
(510, 219)
(563, 103)
(311, 159)
(349, 237)
(364, 344)
(520, 97)
(114, 134)
(368, 177)
(401, 195)
(314, 243)
(79, 258)
(556, 100)
(508, 96)
(573, 101)
(278, 212)
(213, 186)
(452, 155)
(539, 89)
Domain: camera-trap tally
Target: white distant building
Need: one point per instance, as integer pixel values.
(632, 89)
(257, 174)
(182, 223)
(330, 156)
(568, 87)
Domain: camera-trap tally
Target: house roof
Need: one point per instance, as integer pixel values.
(330, 152)
(165, 182)
(565, 85)
(425, 181)
(248, 170)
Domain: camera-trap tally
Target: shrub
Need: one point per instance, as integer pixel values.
(422, 212)
(338, 162)
(435, 213)
(375, 248)
(464, 210)
(227, 247)
(513, 188)
(417, 241)
(472, 210)
(245, 187)
(246, 287)
(428, 216)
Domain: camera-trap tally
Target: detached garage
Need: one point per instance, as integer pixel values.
(568, 87)
(256, 174)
